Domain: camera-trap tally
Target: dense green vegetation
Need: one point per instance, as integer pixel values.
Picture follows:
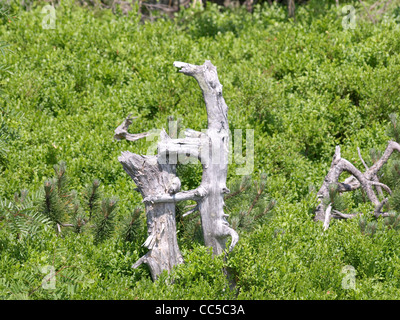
(303, 86)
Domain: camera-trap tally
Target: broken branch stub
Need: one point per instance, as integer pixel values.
(122, 131)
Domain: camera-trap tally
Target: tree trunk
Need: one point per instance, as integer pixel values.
(215, 163)
(211, 148)
(155, 177)
(152, 178)
(291, 9)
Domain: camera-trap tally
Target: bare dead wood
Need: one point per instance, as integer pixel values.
(361, 158)
(213, 156)
(195, 209)
(155, 177)
(122, 131)
(366, 181)
(367, 11)
(211, 148)
(377, 9)
(291, 9)
(378, 187)
(327, 218)
(249, 4)
(151, 179)
(338, 215)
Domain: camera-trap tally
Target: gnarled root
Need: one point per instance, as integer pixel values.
(368, 181)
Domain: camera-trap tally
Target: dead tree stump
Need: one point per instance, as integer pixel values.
(155, 177)
(211, 147)
(368, 181)
(151, 178)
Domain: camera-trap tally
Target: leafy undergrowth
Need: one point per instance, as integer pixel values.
(302, 87)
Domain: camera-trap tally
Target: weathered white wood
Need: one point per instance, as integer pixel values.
(152, 178)
(155, 177)
(215, 227)
(212, 149)
(122, 131)
(366, 180)
(327, 216)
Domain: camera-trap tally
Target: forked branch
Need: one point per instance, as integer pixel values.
(367, 181)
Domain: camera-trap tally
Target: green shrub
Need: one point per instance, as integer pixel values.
(303, 87)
